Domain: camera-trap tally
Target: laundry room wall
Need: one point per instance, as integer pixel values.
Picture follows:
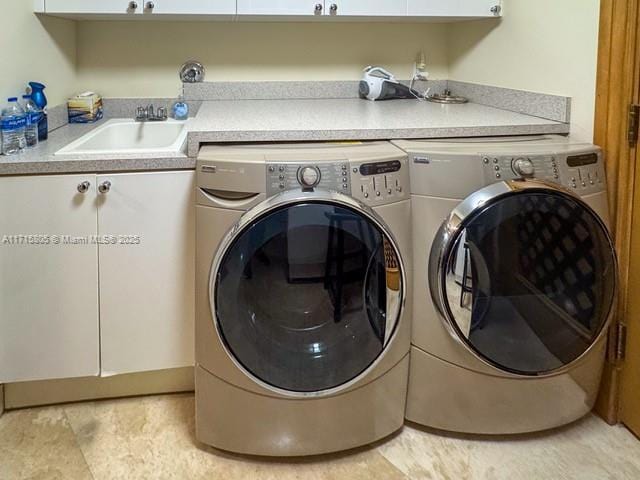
(547, 46)
(35, 48)
(130, 59)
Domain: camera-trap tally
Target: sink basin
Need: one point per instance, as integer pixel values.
(125, 136)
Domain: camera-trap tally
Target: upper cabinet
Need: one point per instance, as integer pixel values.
(366, 8)
(280, 7)
(273, 9)
(454, 8)
(137, 9)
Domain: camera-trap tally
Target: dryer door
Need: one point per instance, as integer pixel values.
(524, 274)
(307, 291)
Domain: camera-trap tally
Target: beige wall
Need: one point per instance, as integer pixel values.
(547, 46)
(32, 48)
(134, 59)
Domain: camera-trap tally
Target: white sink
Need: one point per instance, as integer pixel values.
(124, 136)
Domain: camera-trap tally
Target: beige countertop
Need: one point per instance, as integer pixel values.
(225, 121)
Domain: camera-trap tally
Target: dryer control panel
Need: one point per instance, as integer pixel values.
(375, 183)
(582, 172)
(292, 176)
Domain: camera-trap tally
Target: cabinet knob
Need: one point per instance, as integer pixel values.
(151, 5)
(84, 187)
(334, 8)
(133, 5)
(496, 9)
(104, 187)
(319, 8)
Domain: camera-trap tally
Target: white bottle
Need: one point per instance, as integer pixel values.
(12, 125)
(33, 115)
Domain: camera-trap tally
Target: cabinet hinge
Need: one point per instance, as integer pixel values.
(634, 124)
(620, 342)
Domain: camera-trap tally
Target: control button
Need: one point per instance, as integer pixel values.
(497, 168)
(281, 186)
(366, 195)
(281, 177)
(272, 168)
(498, 175)
(573, 184)
(591, 182)
(495, 160)
(309, 176)
(282, 169)
(389, 191)
(344, 167)
(573, 179)
(355, 170)
(345, 186)
(584, 184)
(377, 194)
(399, 189)
(485, 160)
(523, 166)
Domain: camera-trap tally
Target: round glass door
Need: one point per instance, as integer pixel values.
(526, 280)
(307, 295)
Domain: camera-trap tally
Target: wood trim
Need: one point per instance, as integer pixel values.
(617, 87)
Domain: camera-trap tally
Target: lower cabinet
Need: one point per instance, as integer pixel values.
(96, 274)
(48, 278)
(147, 224)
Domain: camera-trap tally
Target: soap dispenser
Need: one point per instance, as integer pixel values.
(180, 109)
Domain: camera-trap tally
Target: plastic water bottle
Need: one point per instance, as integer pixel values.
(12, 126)
(33, 118)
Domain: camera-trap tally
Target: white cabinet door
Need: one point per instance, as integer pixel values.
(147, 288)
(453, 8)
(189, 7)
(48, 285)
(280, 7)
(366, 8)
(111, 7)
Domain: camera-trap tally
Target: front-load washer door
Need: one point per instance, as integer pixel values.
(524, 275)
(307, 291)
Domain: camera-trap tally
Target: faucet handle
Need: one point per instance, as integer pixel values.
(162, 113)
(141, 113)
(150, 111)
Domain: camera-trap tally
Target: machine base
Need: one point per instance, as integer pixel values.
(236, 420)
(447, 397)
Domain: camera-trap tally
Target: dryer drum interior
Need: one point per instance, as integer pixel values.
(525, 278)
(307, 295)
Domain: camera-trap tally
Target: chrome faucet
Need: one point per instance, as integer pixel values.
(148, 114)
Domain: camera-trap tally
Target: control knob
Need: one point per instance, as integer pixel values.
(309, 176)
(523, 166)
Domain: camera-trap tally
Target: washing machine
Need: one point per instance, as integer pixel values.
(303, 264)
(514, 282)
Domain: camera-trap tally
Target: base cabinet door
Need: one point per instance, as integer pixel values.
(146, 223)
(48, 278)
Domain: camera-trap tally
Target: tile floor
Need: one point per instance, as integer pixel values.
(153, 438)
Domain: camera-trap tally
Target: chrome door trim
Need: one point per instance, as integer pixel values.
(451, 229)
(290, 198)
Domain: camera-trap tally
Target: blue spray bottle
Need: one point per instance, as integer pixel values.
(38, 97)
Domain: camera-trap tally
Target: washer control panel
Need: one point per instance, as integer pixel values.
(292, 176)
(376, 183)
(582, 172)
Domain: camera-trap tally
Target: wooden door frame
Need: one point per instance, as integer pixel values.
(617, 88)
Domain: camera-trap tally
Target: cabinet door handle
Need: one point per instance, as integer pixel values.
(334, 8)
(319, 8)
(151, 5)
(133, 5)
(84, 187)
(104, 187)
